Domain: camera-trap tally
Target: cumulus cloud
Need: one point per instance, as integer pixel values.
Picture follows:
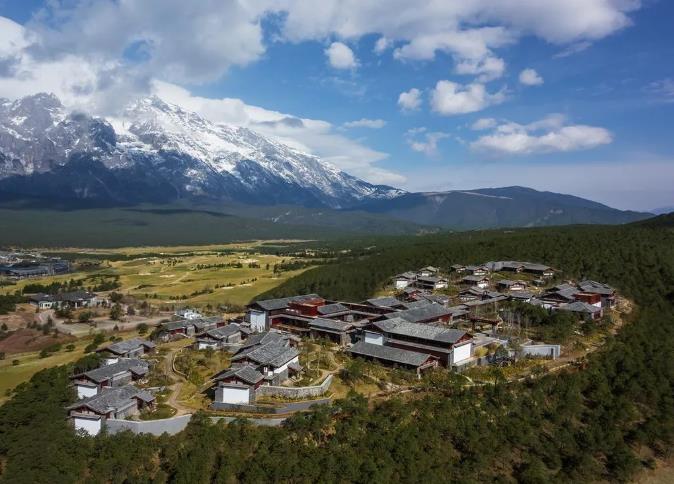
(487, 69)
(340, 56)
(450, 98)
(469, 31)
(410, 100)
(172, 39)
(366, 123)
(483, 123)
(529, 77)
(313, 136)
(422, 141)
(550, 134)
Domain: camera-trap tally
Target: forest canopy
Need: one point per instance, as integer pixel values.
(602, 422)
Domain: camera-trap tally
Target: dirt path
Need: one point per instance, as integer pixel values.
(179, 379)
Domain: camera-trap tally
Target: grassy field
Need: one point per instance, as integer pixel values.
(30, 363)
(185, 275)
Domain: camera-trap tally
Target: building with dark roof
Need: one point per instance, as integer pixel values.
(340, 332)
(221, 337)
(260, 313)
(89, 414)
(426, 313)
(74, 300)
(129, 348)
(583, 310)
(126, 370)
(450, 346)
(392, 356)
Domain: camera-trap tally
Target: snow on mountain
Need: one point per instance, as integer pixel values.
(179, 150)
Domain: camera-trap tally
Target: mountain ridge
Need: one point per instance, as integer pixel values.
(159, 153)
(187, 155)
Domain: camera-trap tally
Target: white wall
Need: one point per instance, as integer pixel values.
(92, 427)
(233, 395)
(258, 320)
(402, 283)
(281, 369)
(110, 361)
(83, 391)
(374, 338)
(461, 353)
(203, 346)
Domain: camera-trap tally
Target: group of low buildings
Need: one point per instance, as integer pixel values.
(110, 391)
(72, 300)
(19, 265)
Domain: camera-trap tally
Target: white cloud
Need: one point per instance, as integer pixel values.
(366, 123)
(487, 69)
(424, 142)
(573, 49)
(381, 45)
(450, 98)
(410, 100)
(529, 77)
(309, 135)
(340, 56)
(469, 31)
(550, 134)
(169, 39)
(483, 123)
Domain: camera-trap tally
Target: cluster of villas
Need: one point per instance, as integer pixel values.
(110, 391)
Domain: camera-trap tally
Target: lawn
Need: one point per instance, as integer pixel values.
(30, 363)
(195, 276)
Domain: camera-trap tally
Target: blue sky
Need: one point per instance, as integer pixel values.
(574, 96)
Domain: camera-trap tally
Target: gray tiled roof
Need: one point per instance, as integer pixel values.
(331, 324)
(280, 303)
(139, 367)
(332, 308)
(383, 302)
(474, 278)
(123, 347)
(580, 307)
(270, 354)
(388, 353)
(246, 373)
(110, 399)
(264, 338)
(596, 288)
(222, 332)
(421, 313)
(422, 331)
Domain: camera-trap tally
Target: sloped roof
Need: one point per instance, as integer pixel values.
(383, 302)
(421, 313)
(331, 324)
(580, 307)
(246, 373)
(422, 331)
(123, 347)
(388, 353)
(222, 332)
(475, 278)
(98, 375)
(332, 308)
(280, 303)
(596, 287)
(110, 399)
(264, 338)
(270, 354)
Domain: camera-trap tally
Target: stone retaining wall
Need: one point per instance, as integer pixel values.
(295, 392)
(171, 425)
(268, 409)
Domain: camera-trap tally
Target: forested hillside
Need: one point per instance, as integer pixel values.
(602, 422)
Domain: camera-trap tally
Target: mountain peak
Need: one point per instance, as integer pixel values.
(176, 151)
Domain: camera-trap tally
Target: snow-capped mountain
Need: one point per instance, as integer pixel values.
(159, 152)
